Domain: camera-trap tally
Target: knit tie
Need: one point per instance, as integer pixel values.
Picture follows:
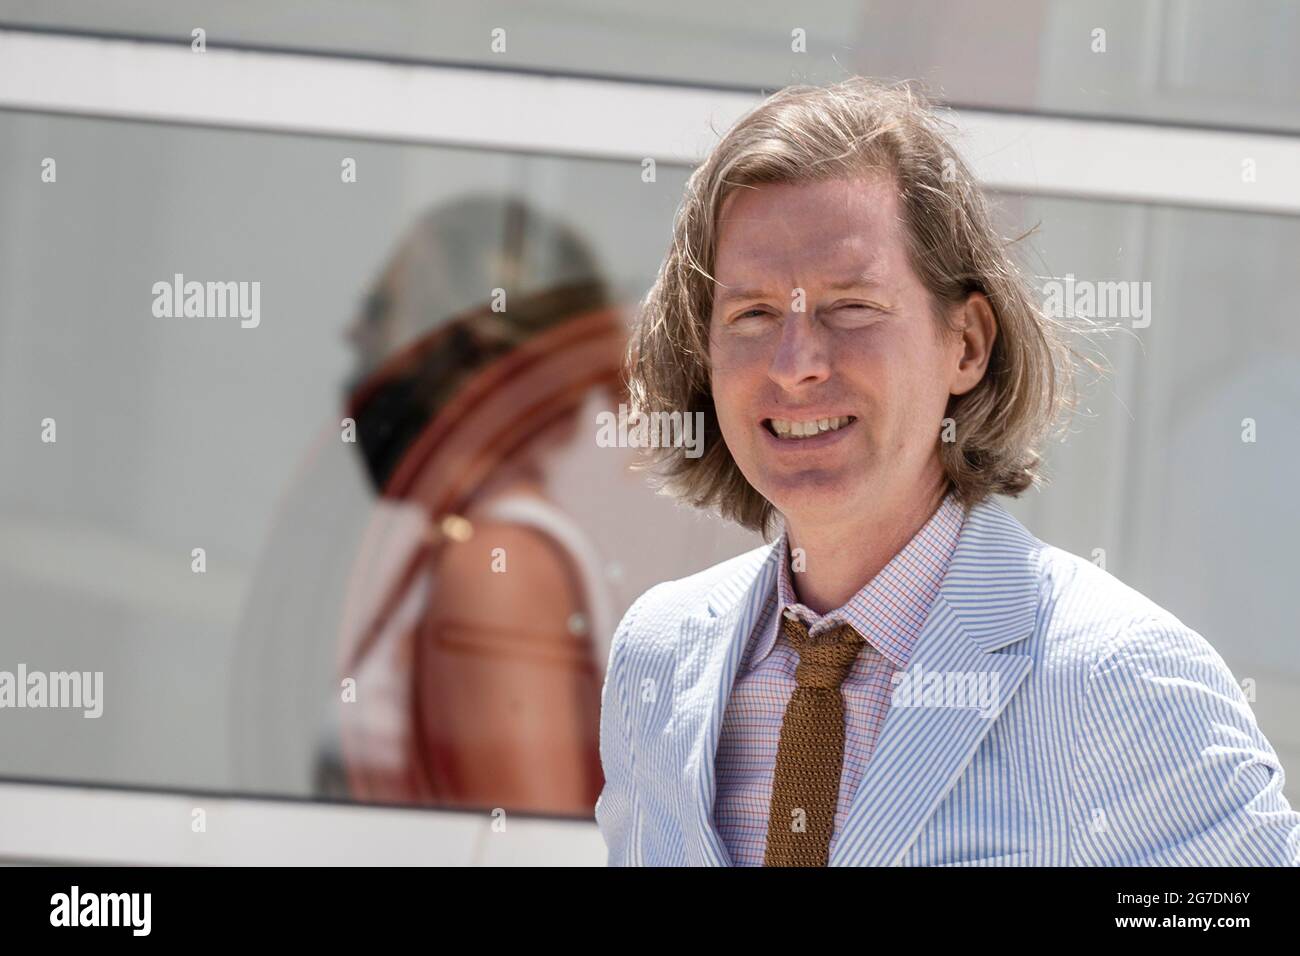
(810, 754)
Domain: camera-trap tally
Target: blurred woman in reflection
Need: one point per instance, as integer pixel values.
(475, 623)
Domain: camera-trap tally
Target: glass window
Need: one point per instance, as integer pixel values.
(327, 522)
(1176, 474)
(328, 525)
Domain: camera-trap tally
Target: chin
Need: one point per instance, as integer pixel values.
(811, 498)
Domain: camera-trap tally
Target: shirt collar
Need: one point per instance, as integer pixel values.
(890, 609)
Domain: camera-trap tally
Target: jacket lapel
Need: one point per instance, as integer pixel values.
(708, 654)
(986, 602)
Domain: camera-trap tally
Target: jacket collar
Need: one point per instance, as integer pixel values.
(987, 602)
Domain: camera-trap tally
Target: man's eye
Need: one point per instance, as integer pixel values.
(863, 310)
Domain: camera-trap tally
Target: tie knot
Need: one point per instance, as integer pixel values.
(824, 659)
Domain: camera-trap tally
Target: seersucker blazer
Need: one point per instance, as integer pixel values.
(1112, 733)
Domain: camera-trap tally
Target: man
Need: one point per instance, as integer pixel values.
(906, 675)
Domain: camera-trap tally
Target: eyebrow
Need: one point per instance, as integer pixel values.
(863, 280)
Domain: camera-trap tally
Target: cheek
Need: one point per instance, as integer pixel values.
(729, 398)
(869, 366)
(732, 370)
(737, 356)
(896, 375)
(920, 393)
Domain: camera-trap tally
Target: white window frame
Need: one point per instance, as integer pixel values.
(609, 119)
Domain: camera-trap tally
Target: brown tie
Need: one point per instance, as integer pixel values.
(810, 756)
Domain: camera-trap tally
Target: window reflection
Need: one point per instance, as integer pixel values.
(477, 677)
(475, 613)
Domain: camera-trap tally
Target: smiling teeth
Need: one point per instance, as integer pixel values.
(785, 428)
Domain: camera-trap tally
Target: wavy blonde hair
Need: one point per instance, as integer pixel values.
(805, 134)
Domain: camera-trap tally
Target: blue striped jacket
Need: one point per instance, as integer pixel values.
(1113, 733)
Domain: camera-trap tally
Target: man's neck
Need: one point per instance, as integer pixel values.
(841, 557)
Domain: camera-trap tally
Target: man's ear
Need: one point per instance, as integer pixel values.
(978, 329)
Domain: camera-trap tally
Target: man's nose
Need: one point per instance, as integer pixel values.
(802, 356)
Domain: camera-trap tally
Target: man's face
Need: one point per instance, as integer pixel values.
(862, 346)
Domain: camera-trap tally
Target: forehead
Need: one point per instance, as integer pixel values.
(789, 230)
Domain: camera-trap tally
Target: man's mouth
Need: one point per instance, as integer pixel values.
(791, 430)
